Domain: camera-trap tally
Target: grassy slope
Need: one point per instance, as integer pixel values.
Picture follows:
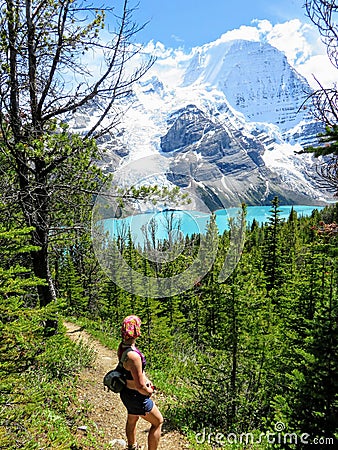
(38, 401)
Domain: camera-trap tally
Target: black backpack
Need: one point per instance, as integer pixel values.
(115, 380)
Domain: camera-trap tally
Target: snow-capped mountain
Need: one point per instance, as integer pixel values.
(235, 118)
(256, 79)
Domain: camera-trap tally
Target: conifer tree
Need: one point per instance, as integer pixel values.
(272, 246)
(20, 324)
(70, 287)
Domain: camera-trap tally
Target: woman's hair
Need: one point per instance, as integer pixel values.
(131, 328)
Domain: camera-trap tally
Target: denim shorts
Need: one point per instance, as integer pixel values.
(136, 403)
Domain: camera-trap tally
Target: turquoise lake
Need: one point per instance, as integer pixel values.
(190, 222)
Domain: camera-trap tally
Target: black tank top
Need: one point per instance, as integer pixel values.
(122, 348)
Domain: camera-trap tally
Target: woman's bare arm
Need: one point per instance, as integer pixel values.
(134, 365)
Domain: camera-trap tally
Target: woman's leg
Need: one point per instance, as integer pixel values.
(154, 417)
(131, 428)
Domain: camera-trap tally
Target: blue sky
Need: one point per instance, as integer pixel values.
(189, 23)
(176, 28)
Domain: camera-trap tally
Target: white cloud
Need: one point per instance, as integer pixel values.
(244, 32)
(158, 50)
(326, 76)
(290, 38)
(169, 63)
(263, 25)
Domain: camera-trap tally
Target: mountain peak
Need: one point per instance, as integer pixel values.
(255, 77)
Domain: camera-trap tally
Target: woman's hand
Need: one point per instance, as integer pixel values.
(148, 382)
(150, 385)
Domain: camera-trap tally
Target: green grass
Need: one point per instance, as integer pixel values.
(101, 331)
(39, 408)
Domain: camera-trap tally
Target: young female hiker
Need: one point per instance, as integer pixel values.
(136, 396)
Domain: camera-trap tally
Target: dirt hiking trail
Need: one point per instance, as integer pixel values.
(106, 411)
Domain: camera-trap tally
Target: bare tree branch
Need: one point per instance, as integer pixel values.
(323, 13)
(325, 104)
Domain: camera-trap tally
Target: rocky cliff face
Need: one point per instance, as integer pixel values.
(211, 141)
(223, 163)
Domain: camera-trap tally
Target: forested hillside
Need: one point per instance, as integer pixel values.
(241, 356)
